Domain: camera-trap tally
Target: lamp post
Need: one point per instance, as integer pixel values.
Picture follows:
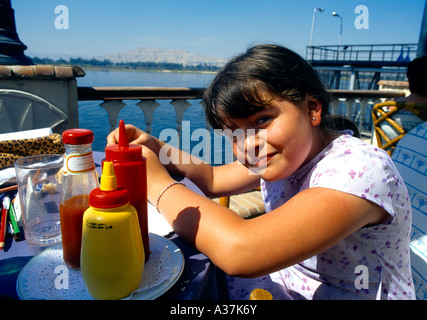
(312, 30)
(11, 48)
(340, 39)
(422, 42)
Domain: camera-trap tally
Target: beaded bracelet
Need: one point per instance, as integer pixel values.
(164, 190)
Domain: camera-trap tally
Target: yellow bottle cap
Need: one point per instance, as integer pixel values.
(108, 178)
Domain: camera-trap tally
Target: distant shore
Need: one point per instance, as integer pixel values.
(91, 68)
(146, 66)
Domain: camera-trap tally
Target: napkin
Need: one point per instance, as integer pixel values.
(20, 144)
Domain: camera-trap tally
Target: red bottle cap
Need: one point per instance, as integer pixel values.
(77, 136)
(123, 151)
(108, 199)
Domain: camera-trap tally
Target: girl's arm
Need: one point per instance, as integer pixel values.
(309, 223)
(213, 181)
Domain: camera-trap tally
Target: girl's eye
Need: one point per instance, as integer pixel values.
(263, 120)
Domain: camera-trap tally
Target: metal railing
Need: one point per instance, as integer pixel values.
(353, 104)
(371, 52)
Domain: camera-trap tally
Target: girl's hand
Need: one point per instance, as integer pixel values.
(134, 136)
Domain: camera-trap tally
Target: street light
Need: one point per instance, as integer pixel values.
(340, 39)
(312, 29)
(11, 48)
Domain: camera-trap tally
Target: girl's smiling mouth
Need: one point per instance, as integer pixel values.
(261, 161)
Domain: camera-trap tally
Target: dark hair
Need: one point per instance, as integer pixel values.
(251, 80)
(417, 70)
(340, 123)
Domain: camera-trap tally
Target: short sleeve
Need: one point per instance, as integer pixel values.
(367, 172)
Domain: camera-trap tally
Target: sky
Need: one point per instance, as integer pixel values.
(221, 28)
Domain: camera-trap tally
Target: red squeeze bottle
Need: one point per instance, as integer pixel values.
(131, 172)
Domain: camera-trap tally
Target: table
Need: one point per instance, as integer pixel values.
(200, 280)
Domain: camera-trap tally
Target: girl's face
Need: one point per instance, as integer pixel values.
(285, 138)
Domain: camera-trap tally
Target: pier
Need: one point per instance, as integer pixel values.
(361, 67)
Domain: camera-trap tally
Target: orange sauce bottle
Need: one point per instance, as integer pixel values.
(71, 216)
(79, 179)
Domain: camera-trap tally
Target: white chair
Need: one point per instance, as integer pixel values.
(410, 157)
(21, 111)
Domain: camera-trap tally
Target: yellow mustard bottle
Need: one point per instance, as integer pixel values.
(112, 253)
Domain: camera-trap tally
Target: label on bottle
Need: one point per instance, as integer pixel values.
(94, 225)
(78, 163)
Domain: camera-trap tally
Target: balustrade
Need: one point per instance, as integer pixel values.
(355, 102)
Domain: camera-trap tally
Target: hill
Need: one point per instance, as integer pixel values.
(156, 55)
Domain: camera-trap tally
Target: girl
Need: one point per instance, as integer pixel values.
(338, 216)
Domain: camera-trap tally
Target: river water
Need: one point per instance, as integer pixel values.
(95, 118)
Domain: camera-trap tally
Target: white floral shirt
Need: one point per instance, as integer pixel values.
(371, 263)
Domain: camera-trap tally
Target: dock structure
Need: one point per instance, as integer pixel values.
(361, 66)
